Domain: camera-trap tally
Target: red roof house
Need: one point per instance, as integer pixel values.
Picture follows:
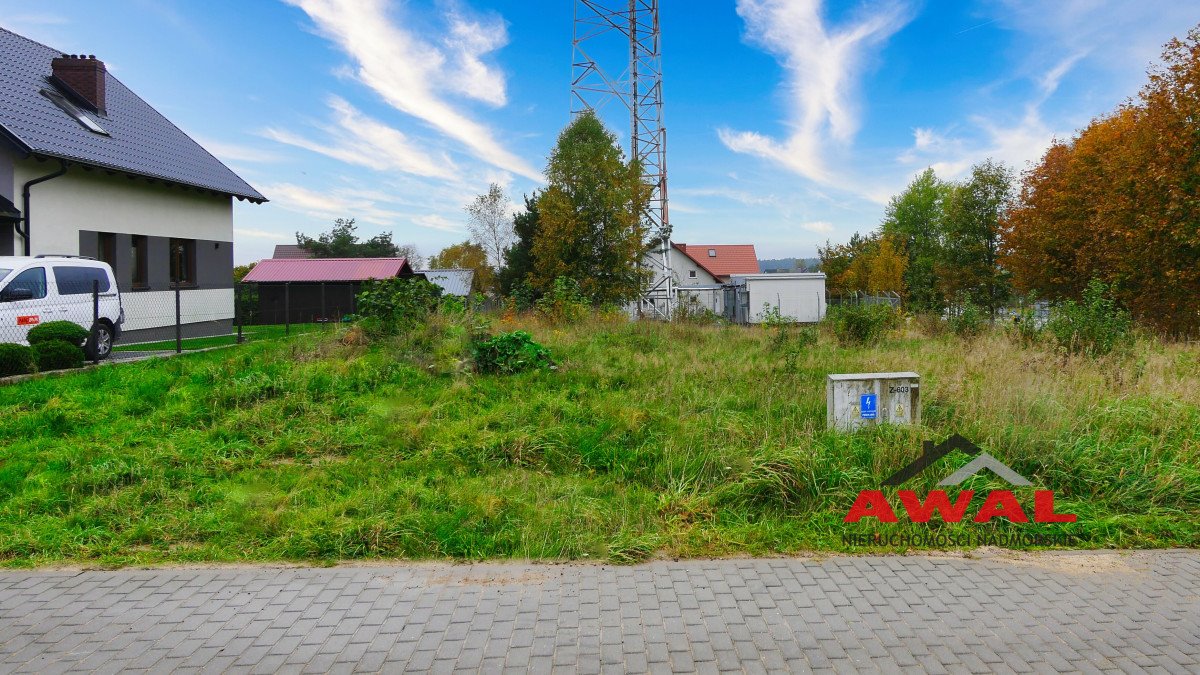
(291, 251)
(722, 260)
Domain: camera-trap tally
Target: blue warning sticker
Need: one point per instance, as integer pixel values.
(868, 406)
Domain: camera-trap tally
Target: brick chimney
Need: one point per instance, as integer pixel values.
(84, 75)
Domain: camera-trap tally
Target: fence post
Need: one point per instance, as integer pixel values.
(95, 321)
(237, 309)
(178, 321)
(287, 308)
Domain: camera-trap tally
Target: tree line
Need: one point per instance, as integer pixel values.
(1119, 203)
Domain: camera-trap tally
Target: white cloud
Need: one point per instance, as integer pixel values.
(469, 39)
(237, 152)
(434, 221)
(251, 233)
(330, 204)
(365, 206)
(739, 196)
(819, 226)
(821, 65)
(412, 75)
(1016, 143)
(357, 139)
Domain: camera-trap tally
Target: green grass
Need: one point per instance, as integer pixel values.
(650, 439)
(249, 333)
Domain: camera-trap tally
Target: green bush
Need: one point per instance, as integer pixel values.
(523, 296)
(57, 356)
(565, 302)
(690, 310)
(15, 360)
(513, 352)
(1094, 326)
(58, 331)
(861, 324)
(396, 305)
(967, 321)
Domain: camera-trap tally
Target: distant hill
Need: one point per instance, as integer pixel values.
(790, 265)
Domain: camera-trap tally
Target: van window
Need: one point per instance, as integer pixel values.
(78, 280)
(34, 279)
(4, 271)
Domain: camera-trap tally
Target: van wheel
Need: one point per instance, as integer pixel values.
(100, 346)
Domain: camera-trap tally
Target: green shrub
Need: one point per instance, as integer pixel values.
(565, 302)
(1094, 326)
(523, 296)
(58, 331)
(690, 310)
(861, 324)
(57, 355)
(513, 352)
(397, 305)
(15, 360)
(967, 321)
(452, 304)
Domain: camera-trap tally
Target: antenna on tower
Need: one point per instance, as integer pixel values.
(618, 58)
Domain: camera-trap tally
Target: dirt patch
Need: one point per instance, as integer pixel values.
(1069, 562)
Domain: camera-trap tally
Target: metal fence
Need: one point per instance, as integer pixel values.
(286, 303)
(859, 298)
(135, 321)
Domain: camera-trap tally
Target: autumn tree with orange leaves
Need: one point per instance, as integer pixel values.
(1121, 203)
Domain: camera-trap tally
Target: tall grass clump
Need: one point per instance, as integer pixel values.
(861, 324)
(967, 320)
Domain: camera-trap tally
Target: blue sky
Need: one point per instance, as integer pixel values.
(791, 122)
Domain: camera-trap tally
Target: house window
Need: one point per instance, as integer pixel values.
(183, 261)
(106, 248)
(138, 257)
(712, 252)
(691, 274)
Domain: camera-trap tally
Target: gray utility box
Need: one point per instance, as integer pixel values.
(860, 399)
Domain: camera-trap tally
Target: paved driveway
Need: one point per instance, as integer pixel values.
(1079, 612)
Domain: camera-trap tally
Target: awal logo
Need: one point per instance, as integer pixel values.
(998, 504)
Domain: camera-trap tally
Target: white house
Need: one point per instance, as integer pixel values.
(89, 168)
(700, 274)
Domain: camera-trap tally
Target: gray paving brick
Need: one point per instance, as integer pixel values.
(836, 615)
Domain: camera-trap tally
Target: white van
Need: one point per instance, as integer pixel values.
(59, 288)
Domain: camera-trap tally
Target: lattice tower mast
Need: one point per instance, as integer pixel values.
(625, 35)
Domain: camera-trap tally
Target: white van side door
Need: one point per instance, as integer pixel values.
(18, 316)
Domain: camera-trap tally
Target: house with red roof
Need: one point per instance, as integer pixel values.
(711, 264)
(701, 272)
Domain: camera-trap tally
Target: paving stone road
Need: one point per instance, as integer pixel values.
(1129, 612)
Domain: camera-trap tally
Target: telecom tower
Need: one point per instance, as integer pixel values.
(618, 57)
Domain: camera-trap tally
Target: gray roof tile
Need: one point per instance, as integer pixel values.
(141, 141)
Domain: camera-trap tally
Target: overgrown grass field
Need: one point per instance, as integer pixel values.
(648, 439)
